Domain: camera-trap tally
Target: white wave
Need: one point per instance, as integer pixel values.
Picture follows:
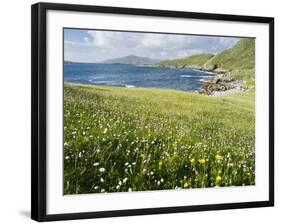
(195, 76)
(203, 80)
(185, 76)
(210, 73)
(203, 76)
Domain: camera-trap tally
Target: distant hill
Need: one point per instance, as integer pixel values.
(69, 62)
(194, 61)
(131, 59)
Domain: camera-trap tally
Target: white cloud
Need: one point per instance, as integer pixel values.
(109, 39)
(101, 45)
(165, 42)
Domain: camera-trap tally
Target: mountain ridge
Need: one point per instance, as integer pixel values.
(131, 59)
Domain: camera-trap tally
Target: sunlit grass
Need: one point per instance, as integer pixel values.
(119, 139)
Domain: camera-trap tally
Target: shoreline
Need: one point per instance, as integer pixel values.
(215, 94)
(217, 83)
(211, 86)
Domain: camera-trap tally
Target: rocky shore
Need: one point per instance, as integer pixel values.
(223, 84)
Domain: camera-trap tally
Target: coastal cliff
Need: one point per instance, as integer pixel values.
(233, 68)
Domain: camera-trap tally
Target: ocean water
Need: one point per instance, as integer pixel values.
(134, 76)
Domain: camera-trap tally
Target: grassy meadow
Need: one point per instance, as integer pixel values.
(120, 139)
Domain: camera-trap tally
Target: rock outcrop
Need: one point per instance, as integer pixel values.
(222, 82)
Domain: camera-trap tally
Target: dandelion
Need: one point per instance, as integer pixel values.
(192, 160)
(185, 184)
(102, 169)
(201, 161)
(218, 179)
(218, 157)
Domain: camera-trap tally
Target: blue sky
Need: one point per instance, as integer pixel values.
(95, 46)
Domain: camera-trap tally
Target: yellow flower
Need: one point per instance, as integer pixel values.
(192, 160)
(202, 161)
(175, 154)
(218, 179)
(185, 184)
(142, 155)
(218, 157)
(160, 163)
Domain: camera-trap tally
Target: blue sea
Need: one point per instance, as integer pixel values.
(133, 76)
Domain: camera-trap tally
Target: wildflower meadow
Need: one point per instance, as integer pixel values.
(132, 139)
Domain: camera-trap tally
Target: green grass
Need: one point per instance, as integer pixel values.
(239, 57)
(120, 139)
(194, 61)
(243, 74)
(238, 61)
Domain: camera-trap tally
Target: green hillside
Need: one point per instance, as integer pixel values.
(238, 61)
(194, 61)
(241, 56)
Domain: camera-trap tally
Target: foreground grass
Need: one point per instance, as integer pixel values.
(120, 139)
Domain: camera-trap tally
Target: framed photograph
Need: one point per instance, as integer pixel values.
(139, 111)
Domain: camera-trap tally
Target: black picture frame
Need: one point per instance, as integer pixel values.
(39, 122)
